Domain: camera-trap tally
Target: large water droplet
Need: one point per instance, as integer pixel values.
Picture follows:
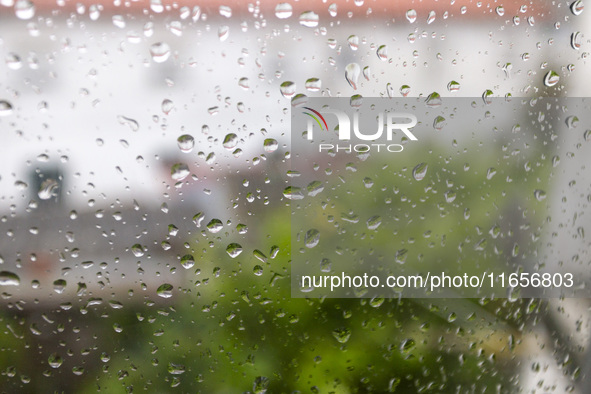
(186, 142)
(352, 72)
(230, 141)
(234, 250)
(131, 123)
(179, 171)
(244, 83)
(453, 86)
(54, 360)
(404, 90)
(353, 41)
(13, 61)
(491, 172)
(257, 270)
(24, 9)
(260, 385)
(551, 78)
(431, 17)
(500, 10)
(309, 19)
(165, 290)
(137, 250)
(577, 7)
(223, 33)
(215, 226)
(293, 193)
(5, 108)
(419, 172)
(187, 261)
(540, 195)
(433, 100)
(287, 89)
(342, 335)
(487, 96)
(8, 278)
(160, 52)
(439, 122)
(366, 72)
(449, 195)
(198, 218)
(270, 145)
(312, 238)
(411, 15)
(48, 189)
(59, 286)
(167, 106)
(382, 52)
(314, 188)
(156, 6)
(332, 9)
(283, 10)
(94, 12)
(576, 39)
(259, 256)
(225, 11)
(313, 84)
(374, 222)
(571, 121)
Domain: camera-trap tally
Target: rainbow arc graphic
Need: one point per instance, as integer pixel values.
(316, 118)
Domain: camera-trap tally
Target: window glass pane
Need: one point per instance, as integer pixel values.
(155, 209)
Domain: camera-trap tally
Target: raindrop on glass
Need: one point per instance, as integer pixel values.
(8, 278)
(283, 10)
(234, 250)
(270, 145)
(187, 261)
(5, 108)
(551, 78)
(165, 290)
(313, 84)
(577, 7)
(404, 90)
(453, 86)
(167, 106)
(431, 17)
(332, 9)
(179, 171)
(137, 250)
(54, 360)
(309, 19)
(225, 11)
(576, 39)
(230, 141)
(353, 41)
(160, 52)
(411, 15)
(223, 33)
(287, 89)
(59, 286)
(24, 9)
(352, 72)
(48, 189)
(540, 195)
(186, 143)
(382, 52)
(312, 238)
(419, 172)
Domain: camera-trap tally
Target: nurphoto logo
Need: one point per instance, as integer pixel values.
(389, 122)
